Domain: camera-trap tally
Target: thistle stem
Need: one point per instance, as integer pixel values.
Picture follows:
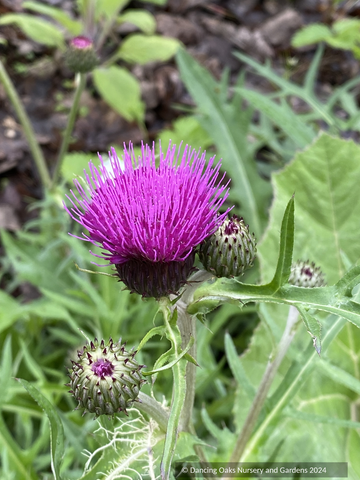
(187, 326)
(154, 409)
(265, 385)
(179, 389)
(27, 127)
(80, 85)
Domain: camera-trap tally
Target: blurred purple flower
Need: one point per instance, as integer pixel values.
(81, 42)
(150, 215)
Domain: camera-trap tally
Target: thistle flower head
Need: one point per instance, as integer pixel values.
(306, 274)
(80, 55)
(230, 250)
(149, 216)
(105, 379)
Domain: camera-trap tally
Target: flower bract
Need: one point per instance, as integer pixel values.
(105, 379)
(150, 213)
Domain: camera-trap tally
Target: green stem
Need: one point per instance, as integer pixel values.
(154, 409)
(179, 390)
(89, 18)
(265, 385)
(27, 127)
(187, 326)
(80, 80)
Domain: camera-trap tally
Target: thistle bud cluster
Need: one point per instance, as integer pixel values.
(306, 274)
(230, 250)
(105, 379)
(80, 56)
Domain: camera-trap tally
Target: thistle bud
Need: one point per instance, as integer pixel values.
(105, 379)
(230, 250)
(306, 274)
(80, 56)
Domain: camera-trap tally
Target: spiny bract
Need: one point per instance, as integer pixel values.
(230, 250)
(105, 379)
(306, 274)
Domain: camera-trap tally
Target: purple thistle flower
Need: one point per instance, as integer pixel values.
(81, 42)
(151, 216)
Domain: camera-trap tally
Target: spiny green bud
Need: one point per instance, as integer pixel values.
(230, 250)
(80, 56)
(306, 274)
(105, 379)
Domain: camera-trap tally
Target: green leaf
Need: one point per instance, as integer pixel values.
(154, 331)
(314, 33)
(340, 376)
(289, 88)
(18, 464)
(327, 207)
(142, 49)
(121, 91)
(186, 129)
(227, 123)
(141, 19)
(35, 28)
(283, 267)
(109, 9)
(73, 26)
(237, 368)
(74, 164)
(353, 442)
(313, 326)
(56, 427)
(173, 362)
(71, 303)
(282, 115)
(185, 446)
(10, 310)
(6, 369)
(311, 417)
(225, 438)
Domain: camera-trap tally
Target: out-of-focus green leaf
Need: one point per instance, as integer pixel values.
(35, 28)
(108, 9)
(237, 368)
(290, 88)
(18, 463)
(10, 310)
(340, 376)
(73, 26)
(282, 115)
(225, 438)
(71, 303)
(188, 130)
(325, 179)
(56, 427)
(314, 33)
(6, 369)
(74, 164)
(141, 19)
(121, 91)
(142, 49)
